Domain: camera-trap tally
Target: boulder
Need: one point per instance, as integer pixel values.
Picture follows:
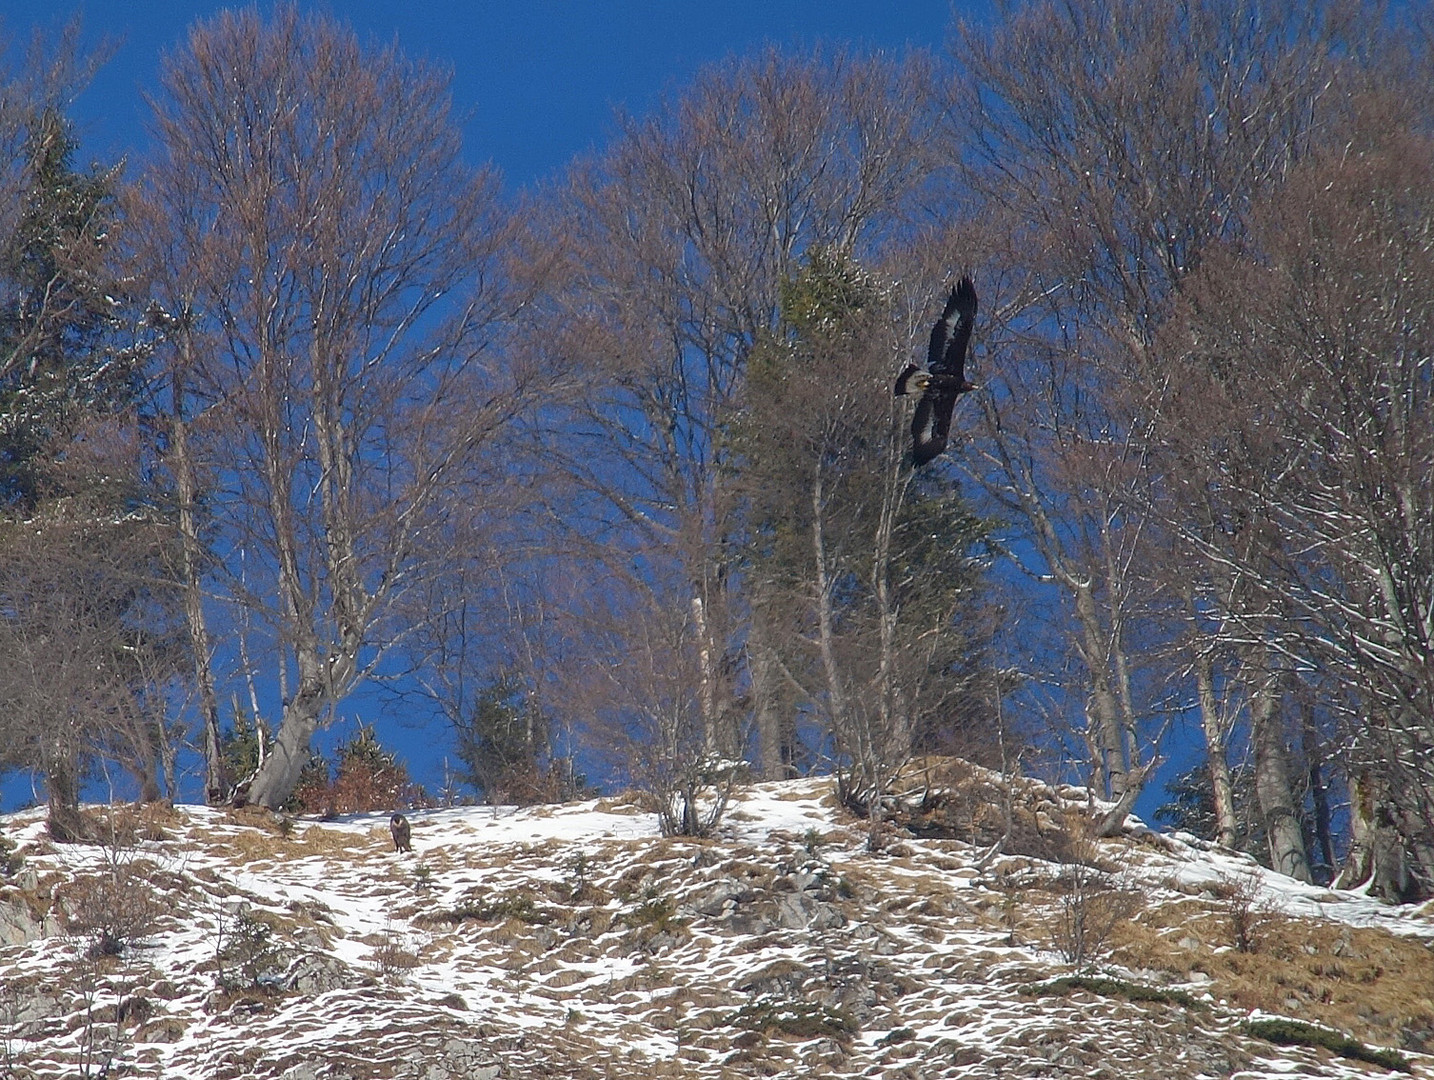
(317, 973)
(18, 922)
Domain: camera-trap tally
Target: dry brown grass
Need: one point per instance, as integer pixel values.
(825, 793)
(1375, 985)
(630, 801)
(263, 841)
(252, 845)
(316, 840)
(123, 824)
(148, 821)
(257, 817)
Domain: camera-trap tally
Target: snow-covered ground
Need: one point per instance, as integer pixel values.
(575, 941)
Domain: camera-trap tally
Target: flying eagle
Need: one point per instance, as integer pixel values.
(946, 380)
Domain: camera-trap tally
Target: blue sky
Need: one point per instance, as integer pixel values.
(540, 78)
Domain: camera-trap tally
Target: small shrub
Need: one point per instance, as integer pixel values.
(1297, 1033)
(1247, 915)
(10, 860)
(518, 906)
(106, 1004)
(580, 886)
(1091, 905)
(879, 836)
(246, 955)
(813, 841)
(657, 912)
(505, 745)
(392, 957)
(423, 877)
(363, 777)
(118, 827)
(117, 905)
(1013, 917)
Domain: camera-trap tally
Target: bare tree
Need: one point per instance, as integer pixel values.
(674, 244)
(333, 264)
(1213, 460)
(1324, 321)
(83, 651)
(1116, 141)
(178, 330)
(638, 679)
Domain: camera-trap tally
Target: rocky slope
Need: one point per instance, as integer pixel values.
(982, 936)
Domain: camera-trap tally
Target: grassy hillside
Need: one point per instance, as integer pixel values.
(981, 936)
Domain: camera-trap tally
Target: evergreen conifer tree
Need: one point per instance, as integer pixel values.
(59, 311)
(86, 641)
(865, 577)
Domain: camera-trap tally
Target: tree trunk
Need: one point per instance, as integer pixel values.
(836, 699)
(774, 734)
(1378, 858)
(61, 761)
(1272, 783)
(707, 691)
(289, 751)
(1319, 794)
(320, 678)
(147, 740)
(850, 740)
(1113, 821)
(895, 718)
(1222, 790)
(1104, 727)
(217, 782)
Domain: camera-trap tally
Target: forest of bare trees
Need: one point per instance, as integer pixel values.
(607, 478)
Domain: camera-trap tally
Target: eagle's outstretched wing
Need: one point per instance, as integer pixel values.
(945, 380)
(951, 336)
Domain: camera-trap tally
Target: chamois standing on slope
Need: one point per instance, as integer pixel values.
(398, 827)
